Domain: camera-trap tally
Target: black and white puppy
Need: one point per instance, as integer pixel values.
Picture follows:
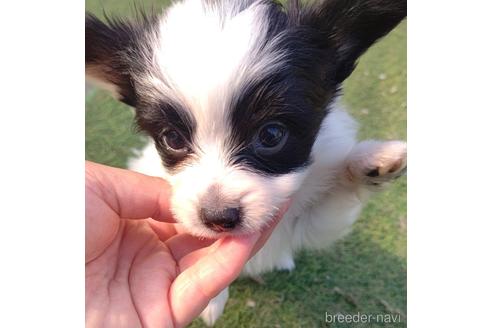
(240, 99)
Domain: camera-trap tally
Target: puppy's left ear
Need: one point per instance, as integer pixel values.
(352, 26)
(108, 48)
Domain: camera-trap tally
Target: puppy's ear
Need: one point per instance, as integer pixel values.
(107, 50)
(352, 26)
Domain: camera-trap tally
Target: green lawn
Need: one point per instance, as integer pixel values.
(365, 272)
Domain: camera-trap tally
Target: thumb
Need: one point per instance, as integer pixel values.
(113, 194)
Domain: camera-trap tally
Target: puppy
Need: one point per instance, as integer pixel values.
(240, 99)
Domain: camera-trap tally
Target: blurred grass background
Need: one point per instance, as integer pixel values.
(366, 271)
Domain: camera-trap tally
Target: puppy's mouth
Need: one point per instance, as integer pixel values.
(220, 228)
(227, 227)
(222, 220)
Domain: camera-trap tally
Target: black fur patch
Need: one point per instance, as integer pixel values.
(156, 120)
(323, 41)
(352, 26)
(296, 95)
(116, 50)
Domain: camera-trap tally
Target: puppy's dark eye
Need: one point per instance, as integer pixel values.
(271, 138)
(174, 141)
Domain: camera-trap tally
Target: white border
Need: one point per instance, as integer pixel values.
(42, 164)
(449, 143)
(42, 142)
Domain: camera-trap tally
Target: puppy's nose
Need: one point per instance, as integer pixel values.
(221, 220)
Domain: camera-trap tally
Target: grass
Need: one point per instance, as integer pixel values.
(366, 271)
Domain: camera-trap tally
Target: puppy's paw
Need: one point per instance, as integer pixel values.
(374, 163)
(286, 263)
(215, 308)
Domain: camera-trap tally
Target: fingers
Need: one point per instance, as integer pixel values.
(193, 288)
(177, 240)
(187, 249)
(183, 244)
(208, 270)
(131, 195)
(163, 230)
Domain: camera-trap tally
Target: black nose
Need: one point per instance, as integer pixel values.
(221, 220)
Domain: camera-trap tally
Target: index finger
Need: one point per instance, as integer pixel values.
(129, 194)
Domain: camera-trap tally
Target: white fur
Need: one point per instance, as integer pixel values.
(204, 61)
(200, 57)
(258, 196)
(215, 308)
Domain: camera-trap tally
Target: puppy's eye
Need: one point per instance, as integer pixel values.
(271, 138)
(174, 141)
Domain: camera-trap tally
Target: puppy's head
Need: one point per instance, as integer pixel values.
(233, 94)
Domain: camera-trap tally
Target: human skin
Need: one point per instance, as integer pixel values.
(142, 269)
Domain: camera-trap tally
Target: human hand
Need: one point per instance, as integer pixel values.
(141, 268)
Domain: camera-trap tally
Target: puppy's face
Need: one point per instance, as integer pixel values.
(233, 94)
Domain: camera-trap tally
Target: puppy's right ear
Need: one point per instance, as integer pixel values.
(107, 51)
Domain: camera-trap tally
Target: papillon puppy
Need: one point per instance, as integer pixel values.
(240, 99)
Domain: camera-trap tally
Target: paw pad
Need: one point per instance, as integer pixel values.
(373, 163)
